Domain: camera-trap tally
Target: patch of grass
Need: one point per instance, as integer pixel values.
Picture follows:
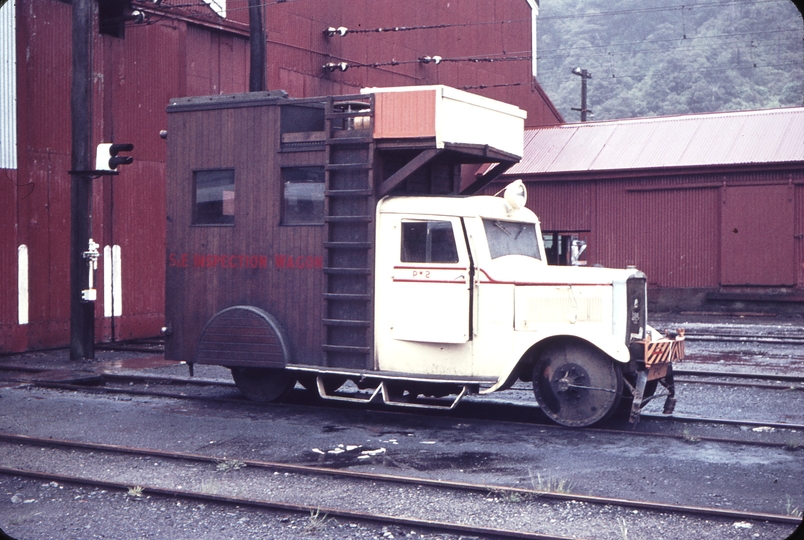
(511, 496)
(210, 486)
(690, 438)
(623, 528)
(550, 484)
(135, 492)
(229, 465)
(317, 520)
(792, 446)
(794, 511)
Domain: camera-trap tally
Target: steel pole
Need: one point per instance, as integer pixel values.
(82, 314)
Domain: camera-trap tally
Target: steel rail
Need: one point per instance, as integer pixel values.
(759, 386)
(194, 381)
(725, 421)
(289, 507)
(135, 392)
(646, 416)
(162, 379)
(781, 340)
(759, 376)
(379, 477)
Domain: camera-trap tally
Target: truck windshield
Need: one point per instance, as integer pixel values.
(511, 238)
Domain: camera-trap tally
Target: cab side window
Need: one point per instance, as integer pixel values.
(303, 196)
(214, 197)
(428, 242)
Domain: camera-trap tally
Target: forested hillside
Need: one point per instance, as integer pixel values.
(659, 57)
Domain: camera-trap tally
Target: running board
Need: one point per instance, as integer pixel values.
(319, 382)
(382, 390)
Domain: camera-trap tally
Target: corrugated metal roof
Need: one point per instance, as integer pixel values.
(746, 137)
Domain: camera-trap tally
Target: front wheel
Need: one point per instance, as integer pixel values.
(575, 384)
(263, 384)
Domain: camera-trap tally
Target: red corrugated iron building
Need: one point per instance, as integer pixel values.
(709, 206)
(486, 46)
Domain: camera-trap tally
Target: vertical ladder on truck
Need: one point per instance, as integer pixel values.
(349, 207)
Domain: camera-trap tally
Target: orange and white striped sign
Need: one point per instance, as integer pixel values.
(665, 350)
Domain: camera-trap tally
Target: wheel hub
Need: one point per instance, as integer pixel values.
(568, 377)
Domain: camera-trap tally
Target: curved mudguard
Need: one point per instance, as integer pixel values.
(607, 344)
(243, 336)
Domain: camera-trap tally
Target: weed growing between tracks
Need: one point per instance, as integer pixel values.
(794, 511)
(687, 437)
(317, 521)
(623, 527)
(227, 465)
(550, 484)
(792, 446)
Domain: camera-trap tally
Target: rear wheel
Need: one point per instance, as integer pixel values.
(576, 384)
(263, 384)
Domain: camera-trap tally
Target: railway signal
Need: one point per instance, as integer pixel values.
(107, 157)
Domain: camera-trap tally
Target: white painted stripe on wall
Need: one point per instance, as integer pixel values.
(22, 284)
(8, 86)
(534, 13)
(112, 282)
(218, 6)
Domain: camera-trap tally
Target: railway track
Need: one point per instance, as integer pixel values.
(680, 433)
(694, 333)
(689, 376)
(372, 481)
(225, 392)
(704, 376)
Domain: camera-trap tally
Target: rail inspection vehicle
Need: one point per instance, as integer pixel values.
(330, 239)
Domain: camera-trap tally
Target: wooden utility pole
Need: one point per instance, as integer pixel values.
(584, 75)
(82, 313)
(256, 78)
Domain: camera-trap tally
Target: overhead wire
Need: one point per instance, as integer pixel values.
(545, 54)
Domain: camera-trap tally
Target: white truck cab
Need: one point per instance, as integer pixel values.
(463, 290)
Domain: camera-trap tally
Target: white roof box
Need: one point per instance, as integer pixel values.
(449, 116)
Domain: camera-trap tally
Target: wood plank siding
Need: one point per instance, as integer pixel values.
(216, 267)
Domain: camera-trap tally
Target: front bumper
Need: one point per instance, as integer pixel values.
(659, 354)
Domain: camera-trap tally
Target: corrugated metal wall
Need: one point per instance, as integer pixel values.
(488, 29)
(191, 51)
(133, 81)
(9, 308)
(677, 228)
(670, 234)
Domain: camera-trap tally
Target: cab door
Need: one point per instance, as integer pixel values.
(430, 282)
(423, 292)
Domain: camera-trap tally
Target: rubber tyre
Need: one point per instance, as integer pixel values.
(263, 384)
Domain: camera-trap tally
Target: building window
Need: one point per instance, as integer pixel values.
(428, 242)
(303, 196)
(565, 248)
(214, 193)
